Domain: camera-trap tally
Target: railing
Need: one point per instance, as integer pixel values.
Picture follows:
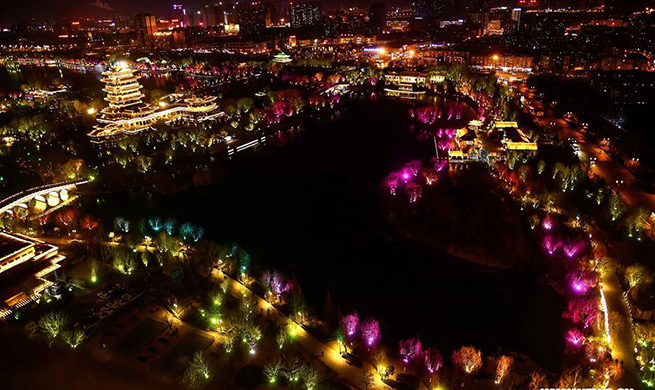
(25, 195)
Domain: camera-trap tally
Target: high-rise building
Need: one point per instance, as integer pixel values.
(178, 16)
(377, 17)
(252, 19)
(146, 27)
(305, 14)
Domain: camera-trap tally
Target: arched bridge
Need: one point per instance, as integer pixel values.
(39, 200)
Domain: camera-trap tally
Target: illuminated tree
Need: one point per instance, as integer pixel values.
(433, 360)
(281, 339)
(197, 373)
(156, 224)
(571, 378)
(636, 222)
(370, 330)
(468, 359)
(503, 366)
(584, 311)
(310, 377)
(292, 370)
(74, 338)
(169, 226)
(122, 225)
(410, 349)
(637, 274)
(537, 381)
(350, 324)
(616, 206)
(575, 337)
(273, 370)
(124, 261)
(89, 223)
(53, 324)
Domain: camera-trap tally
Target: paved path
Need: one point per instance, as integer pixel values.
(623, 344)
(327, 354)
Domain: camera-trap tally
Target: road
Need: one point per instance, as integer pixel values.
(620, 179)
(327, 354)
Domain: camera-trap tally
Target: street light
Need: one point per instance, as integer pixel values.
(91, 110)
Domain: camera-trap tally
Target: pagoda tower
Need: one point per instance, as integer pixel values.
(122, 87)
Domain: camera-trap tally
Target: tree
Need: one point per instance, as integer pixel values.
(468, 358)
(503, 365)
(53, 324)
(273, 370)
(350, 323)
(74, 338)
(537, 381)
(367, 378)
(433, 360)
(617, 207)
(310, 377)
(410, 349)
(637, 274)
(370, 331)
(197, 372)
(292, 370)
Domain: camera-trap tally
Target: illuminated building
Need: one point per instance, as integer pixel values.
(146, 27)
(19, 253)
(407, 84)
(252, 19)
(305, 15)
(127, 114)
(178, 16)
(282, 58)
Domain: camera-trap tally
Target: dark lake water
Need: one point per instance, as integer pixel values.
(313, 208)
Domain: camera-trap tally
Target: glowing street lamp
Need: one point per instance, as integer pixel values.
(91, 111)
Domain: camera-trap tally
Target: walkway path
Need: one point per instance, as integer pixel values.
(327, 354)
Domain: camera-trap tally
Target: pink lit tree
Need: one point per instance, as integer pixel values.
(410, 349)
(391, 182)
(433, 360)
(583, 311)
(575, 337)
(370, 331)
(551, 244)
(351, 324)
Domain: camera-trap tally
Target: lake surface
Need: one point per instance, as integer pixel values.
(313, 208)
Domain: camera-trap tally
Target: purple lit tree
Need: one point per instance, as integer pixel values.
(410, 349)
(370, 331)
(350, 324)
(583, 311)
(551, 244)
(575, 337)
(433, 360)
(573, 248)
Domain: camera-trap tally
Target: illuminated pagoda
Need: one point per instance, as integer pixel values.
(128, 114)
(122, 88)
(282, 58)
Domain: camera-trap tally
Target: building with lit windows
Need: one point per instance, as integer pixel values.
(305, 14)
(25, 264)
(128, 114)
(146, 27)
